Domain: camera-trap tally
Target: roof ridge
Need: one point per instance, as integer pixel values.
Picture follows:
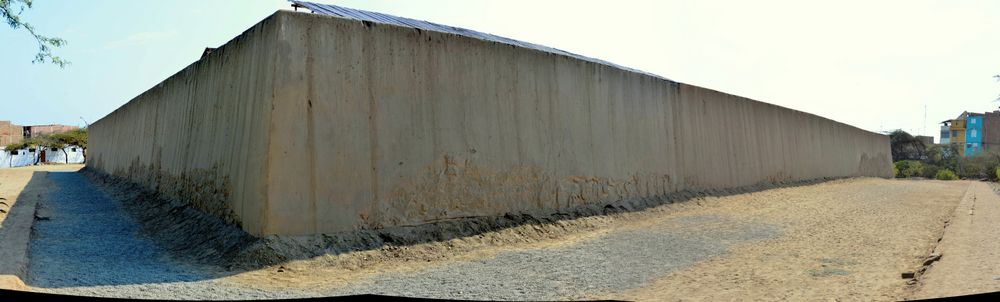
(363, 15)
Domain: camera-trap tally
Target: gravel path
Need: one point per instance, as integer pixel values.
(88, 245)
(607, 264)
(968, 249)
(843, 239)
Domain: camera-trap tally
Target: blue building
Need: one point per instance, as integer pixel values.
(973, 134)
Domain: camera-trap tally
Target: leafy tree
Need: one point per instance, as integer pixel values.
(945, 174)
(60, 140)
(34, 142)
(979, 166)
(908, 168)
(14, 147)
(944, 156)
(10, 12)
(904, 146)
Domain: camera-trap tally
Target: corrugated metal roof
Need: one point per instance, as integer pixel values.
(357, 14)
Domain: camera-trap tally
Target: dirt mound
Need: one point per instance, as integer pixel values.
(186, 232)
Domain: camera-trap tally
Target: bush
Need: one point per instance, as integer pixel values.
(945, 174)
(930, 170)
(908, 168)
(980, 166)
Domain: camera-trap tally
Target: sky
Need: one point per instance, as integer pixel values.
(877, 65)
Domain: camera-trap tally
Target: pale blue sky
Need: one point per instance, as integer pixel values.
(872, 64)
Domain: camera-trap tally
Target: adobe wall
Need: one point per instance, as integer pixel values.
(315, 124)
(200, 136)
(10, 133)
(377, 125)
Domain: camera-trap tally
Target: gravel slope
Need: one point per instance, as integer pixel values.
(839, 239)
(85, 244)
(611, 263)
(843, 240)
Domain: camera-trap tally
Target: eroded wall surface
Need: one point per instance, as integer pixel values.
(200, 136)
(315, 124)
(376, 125)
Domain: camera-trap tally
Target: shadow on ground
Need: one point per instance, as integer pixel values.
(16, 227)
(104, 230)
(82, 237)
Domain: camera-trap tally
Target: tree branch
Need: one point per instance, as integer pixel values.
(45, 44)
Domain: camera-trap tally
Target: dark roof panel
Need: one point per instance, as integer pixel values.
(357, 14)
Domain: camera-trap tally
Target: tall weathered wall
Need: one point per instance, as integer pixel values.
(201, 135)
(373, 125)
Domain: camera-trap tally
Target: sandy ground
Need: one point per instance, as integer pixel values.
(21, 189)
(843, 241)
(14, 184)
(847, 239)
(85, 243)
(838, 240)
(969, 249)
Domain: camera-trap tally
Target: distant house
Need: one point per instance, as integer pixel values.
(31, 156)
(36, 130)
(18, 158)
(945, 132)
(973, 133)
(67, 155)
(927, 140)
(10, 133)
(957, 129)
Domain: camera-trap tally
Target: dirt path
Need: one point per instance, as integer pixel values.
(970, 249)
(847, 239)
(14, 182)
(84, 243)
(21, 189)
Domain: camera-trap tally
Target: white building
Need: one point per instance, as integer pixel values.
(27, 157)
(18, 158)
(59, 156)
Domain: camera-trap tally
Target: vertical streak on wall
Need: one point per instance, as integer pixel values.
(200, 136)
(370, 56)
(311, 126)
(591, 133)
(333, 125)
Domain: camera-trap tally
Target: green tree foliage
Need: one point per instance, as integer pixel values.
(945, 174)
(908, 168)
(929, 170)
(943, 155)
(10, 12)
(15, 146)
(60, 141)
(71, 138)
(912, 158)
(904, 146)
(979, 166)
